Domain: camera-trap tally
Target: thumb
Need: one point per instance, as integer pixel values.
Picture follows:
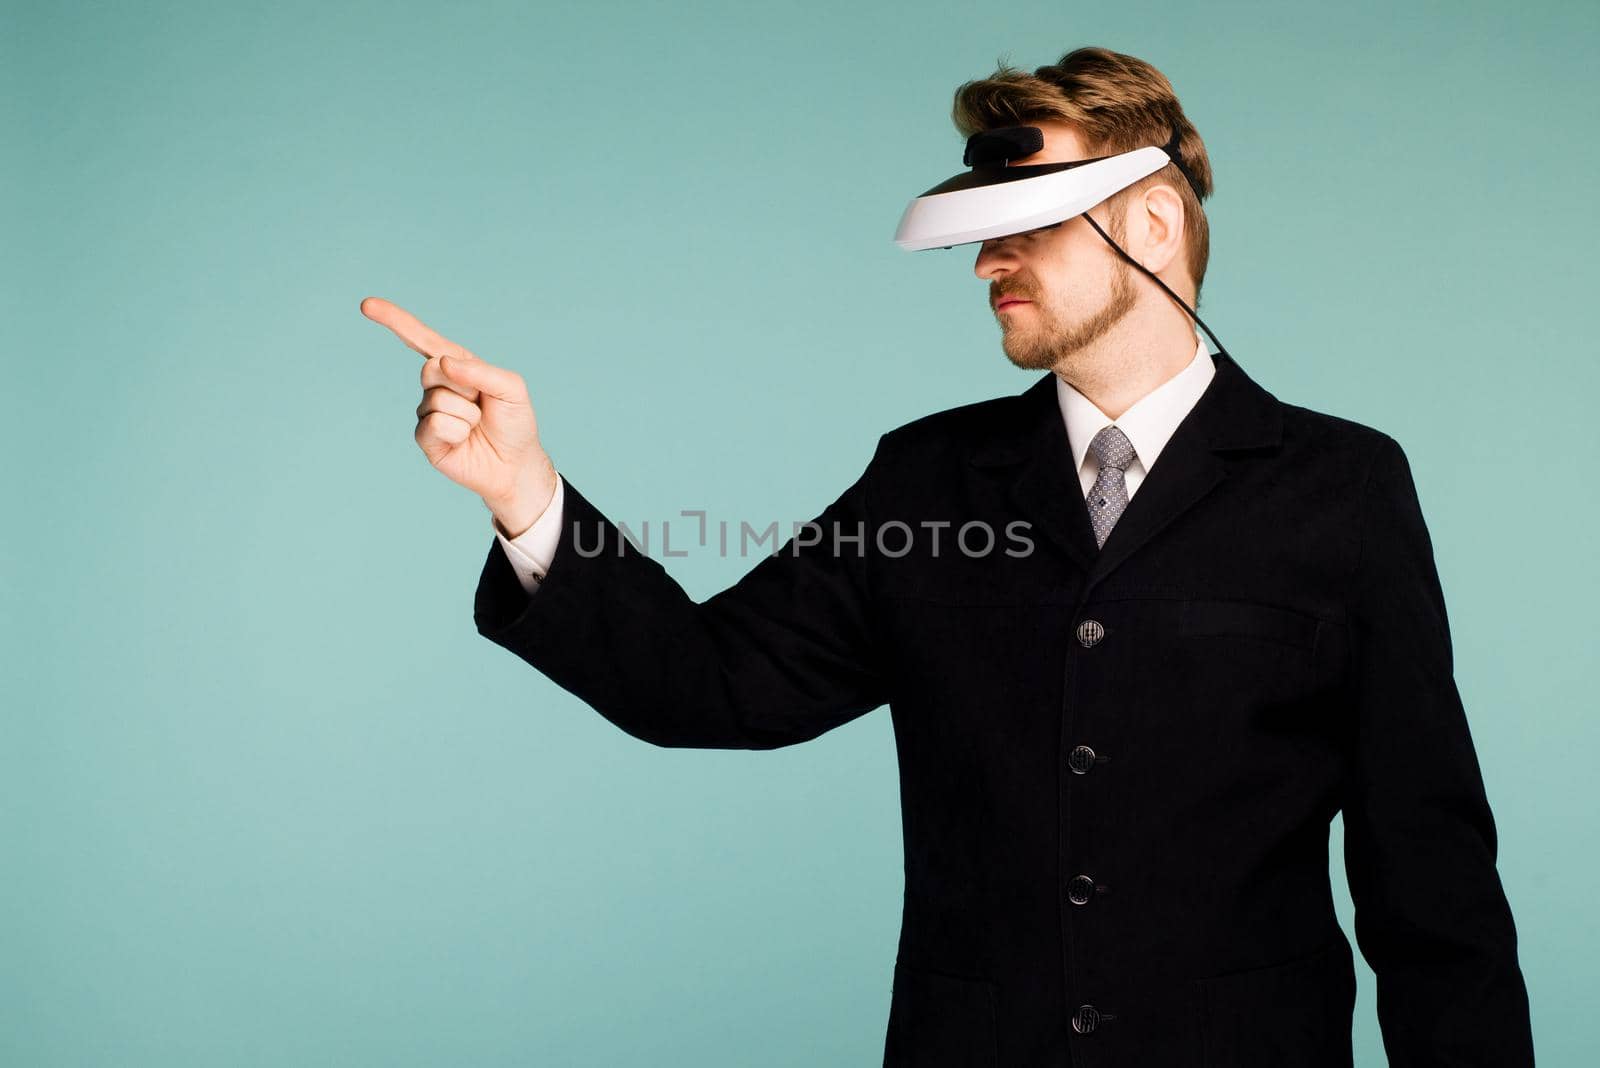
(484, 377)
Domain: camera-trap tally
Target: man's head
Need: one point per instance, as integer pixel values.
(1094, 102)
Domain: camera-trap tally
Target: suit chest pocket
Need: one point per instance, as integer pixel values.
(1238, 650)
(1247, 619)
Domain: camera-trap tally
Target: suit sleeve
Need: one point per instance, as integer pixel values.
(1431, 916)
(783, 655)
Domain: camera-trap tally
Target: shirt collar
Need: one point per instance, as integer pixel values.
(1149, 422)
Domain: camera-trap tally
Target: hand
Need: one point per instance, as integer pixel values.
(475, 423)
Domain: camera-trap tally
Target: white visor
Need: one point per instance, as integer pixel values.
(995, 201)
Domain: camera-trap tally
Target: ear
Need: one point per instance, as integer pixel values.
(1161, 220)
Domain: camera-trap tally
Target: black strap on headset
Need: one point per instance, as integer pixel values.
(1171, 149)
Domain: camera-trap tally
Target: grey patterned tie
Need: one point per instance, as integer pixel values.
(1109, 494)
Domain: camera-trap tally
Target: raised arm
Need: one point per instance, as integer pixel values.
(783, 655)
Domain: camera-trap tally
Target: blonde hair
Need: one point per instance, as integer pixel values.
(1116, 103)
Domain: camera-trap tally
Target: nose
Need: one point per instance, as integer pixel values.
(996, 258)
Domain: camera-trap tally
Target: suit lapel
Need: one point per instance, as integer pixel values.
(1233, 414)
(1046, 488)
(1183, 474)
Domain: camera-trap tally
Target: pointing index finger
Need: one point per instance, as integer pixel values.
(413, 331)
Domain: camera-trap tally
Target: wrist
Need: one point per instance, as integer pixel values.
(519, 509)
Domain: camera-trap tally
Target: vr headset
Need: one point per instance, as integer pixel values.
(994, 200)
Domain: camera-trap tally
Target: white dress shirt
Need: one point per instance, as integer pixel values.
(1149, 422)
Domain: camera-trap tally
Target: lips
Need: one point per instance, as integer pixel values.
(1004, 301)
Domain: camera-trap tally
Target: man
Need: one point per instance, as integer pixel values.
(1194, 623)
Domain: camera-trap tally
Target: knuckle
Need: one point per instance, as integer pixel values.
(432, 427)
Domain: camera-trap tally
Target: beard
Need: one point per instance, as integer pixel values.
(1047, 342)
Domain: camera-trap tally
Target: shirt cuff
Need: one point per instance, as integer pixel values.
(531, 552)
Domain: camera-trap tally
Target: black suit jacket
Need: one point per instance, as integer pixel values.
(1117, 765)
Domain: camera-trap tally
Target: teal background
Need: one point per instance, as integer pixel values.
(268, 799)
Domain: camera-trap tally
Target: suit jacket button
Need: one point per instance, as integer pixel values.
(1086, 1019)
(1080, 890)
(1090, 632)
(1081, 759)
